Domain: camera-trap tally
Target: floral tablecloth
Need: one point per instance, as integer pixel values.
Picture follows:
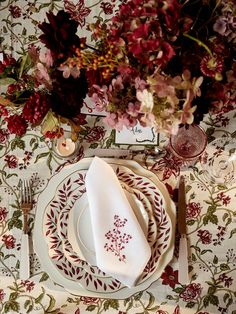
(211, 215)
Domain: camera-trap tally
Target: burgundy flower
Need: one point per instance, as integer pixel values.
(211, 66)
(222, 197)
(170, 277)
(3, 214)
(228, 281)
(35, 108)
(193, 210)
(3, 110)
(15, 11)
(95, 134)
(205, 236)
(9, 241)
(29, 285)
(16, 125)
(59, 35)
(78, 12)
(2, 294)
(4, 135)
(89, 300)
(107, 7)
(12, 161)
(191, 292)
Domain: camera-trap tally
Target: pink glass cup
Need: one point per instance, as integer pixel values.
(189, 143)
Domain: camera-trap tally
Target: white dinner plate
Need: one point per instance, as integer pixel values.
(62, 191)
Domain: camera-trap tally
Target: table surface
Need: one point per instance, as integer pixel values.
(211, 220)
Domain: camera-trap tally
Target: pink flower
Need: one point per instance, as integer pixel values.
(2, 294)
(3, 214)
(191, 292)
(205, 236)
(67, 71)
(12, 161)
(9, 241)
(46, 58)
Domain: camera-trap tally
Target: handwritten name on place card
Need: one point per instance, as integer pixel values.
(137, 135)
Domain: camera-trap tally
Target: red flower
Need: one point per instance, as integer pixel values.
(89, 300)
(212, 66)
(4, 135)
(95, 134)
(193, 210)
(205, 236)
(78, 12)
(222, 197)
(107, 7)
(170, 277)
(35, 108)
(191, 292)
(29, 285)
(15, 11)
(3, 214)
(11, 160)
(16, 125)
(2, 294)
(9, 241)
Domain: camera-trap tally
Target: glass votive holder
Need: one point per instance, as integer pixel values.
(65, 147)
(189, 143)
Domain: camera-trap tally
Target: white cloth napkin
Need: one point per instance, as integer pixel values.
(122, 250)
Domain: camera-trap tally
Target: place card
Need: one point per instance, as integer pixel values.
(138, 135)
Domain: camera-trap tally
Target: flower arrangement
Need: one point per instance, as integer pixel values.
(158, 63)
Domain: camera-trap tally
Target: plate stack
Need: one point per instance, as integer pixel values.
(63, 237)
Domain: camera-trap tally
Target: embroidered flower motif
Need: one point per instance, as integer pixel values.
(205, 236)
(191, 292)
(117, 239)
(170, 277)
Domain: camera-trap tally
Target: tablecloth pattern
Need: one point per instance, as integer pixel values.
(211, 214)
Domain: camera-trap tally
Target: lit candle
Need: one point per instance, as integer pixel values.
(65, 147)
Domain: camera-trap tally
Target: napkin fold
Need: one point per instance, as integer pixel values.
(121, 248)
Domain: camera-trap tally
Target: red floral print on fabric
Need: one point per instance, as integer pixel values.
(2, 294)
(193, 210)
(3, 214)
(191, 292)
(78, 12)
(117, 239)
(9, 241)
(170, 277)
(205, 236)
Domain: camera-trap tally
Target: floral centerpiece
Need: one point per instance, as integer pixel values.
(157, 63)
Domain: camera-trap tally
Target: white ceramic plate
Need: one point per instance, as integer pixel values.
(59, 195)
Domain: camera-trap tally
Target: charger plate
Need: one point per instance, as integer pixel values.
(61, 193)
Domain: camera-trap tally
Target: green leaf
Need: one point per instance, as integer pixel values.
(194, 257)
(44, 277)
(13, 296)
(232, 232)
(205, 251)
(42, 155)
(7, 81)
(224, 267)
(178, 290)
(215, 260)
(151, 300)
(190, 304)
(138, 296)
(27, 303)
(91, 307)
(191, 222)
(213, 299)
(93, 145)
(17, 142)
(40, 297)
(111, 303)
(211, 290)
(52, 303)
